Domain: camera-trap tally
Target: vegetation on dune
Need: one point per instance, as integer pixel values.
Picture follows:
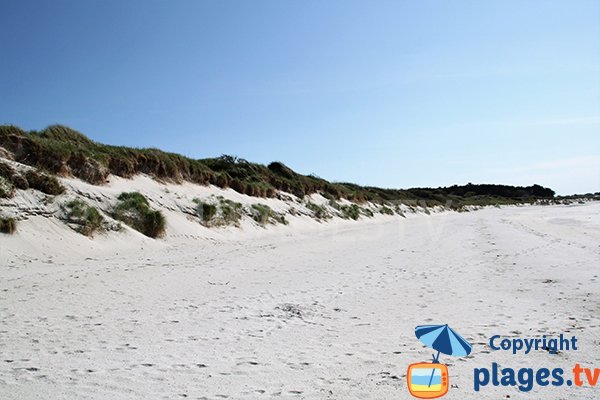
(350, 211)
(399, 211)
(263, 214)
(319, 212)
(87, 219)
(43, 182)
(206, 211)
(219, 211)
(134, 210)
(8, 225)
(231, 211)
(63, 151)
(334, 204)
(10, 179)
(366, 212)
(386, 210)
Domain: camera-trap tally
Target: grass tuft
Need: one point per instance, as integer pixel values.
(319, 212)
(386, 210)
(134, 210)
(206, 211)
(231, 211)
(263, 214)
(8, 225)
(219, 211)
(87, 218)
(351, 211)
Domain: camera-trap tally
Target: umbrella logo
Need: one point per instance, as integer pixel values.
(429, 380)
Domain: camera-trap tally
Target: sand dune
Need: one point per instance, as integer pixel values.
(325, 312)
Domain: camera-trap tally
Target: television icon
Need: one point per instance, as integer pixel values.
(427, 380)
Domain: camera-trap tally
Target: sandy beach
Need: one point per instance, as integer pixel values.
(323, 312)
(340, 200)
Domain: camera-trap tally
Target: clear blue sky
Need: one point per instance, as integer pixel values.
(393, 94)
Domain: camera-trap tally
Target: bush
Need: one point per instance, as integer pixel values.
(205, 211)
(134, 210)
(208, 211)
(8, 225)
(319, 212)
(261, 213)
(386, 210)
(44, 183)
(350, 211)
(282, 170)
(399, 211)
(134, 198)
(219, 211)
(88, 219)
(231, 211)
(334, 204)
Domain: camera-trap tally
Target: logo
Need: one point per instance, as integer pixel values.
(430, 380)
(526, 378)
(427, 380)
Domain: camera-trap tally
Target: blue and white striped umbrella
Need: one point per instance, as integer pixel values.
(443, 339)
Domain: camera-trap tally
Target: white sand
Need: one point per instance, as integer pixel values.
(310, 310)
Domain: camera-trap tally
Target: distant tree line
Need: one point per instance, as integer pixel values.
(513, 192)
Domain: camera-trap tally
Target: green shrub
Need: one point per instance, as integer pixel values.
(351, 211)
(328, 196)
(261, 213)
(386, 210)
(8, 225)
(399, 211)
(319, 212)
(334, 204)
(75, 209)
(206, 211)
(231, 211)
(134, 198)
(88, 219)
(154, 224)
(219, 211)
(44, 183)
(134, 210)
(366, 211)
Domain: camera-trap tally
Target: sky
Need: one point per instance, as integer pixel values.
(383, 93)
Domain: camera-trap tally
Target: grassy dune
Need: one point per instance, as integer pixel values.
(60, 150)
